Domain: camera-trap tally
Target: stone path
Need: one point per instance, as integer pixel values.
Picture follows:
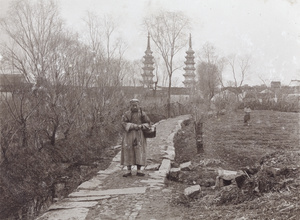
(108, 195)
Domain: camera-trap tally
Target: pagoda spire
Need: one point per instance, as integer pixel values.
(148, 66)
(190, 42)
(148, 43)
(189, 76)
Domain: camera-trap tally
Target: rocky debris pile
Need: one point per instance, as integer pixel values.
(278, 172)
(192, 174)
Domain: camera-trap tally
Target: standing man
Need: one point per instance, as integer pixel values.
(247, 111)
(134, 143)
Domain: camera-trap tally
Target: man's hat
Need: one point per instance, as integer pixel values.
(134, 101)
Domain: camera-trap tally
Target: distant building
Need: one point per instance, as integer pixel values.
(294, 83)
(11, 82)
(275, 85)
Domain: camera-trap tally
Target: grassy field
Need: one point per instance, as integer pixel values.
(237, 145)
(271, 140)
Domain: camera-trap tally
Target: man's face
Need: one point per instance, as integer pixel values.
(134, 107)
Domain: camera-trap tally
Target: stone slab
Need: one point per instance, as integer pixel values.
(187, 166)
(91, 184)
(165, 165)
(169, 153)
(228, 174)
(152, 166)
(153, 181)
(175, 170)
(72, 205)
(65, 214)
(192, 190)
(86, 198)
(133, 190)
(157, 175)
(117, 147)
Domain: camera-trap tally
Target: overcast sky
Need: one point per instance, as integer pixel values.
(268, 30)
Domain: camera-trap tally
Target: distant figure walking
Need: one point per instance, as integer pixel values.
(134, 143)
(247, 111)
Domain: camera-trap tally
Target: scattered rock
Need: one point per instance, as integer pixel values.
(174, 174)
(186, 166)
(251, 170)
(275, 171)
(228, 177)
(206, 162)
(207, 182)
(192, 191)
(175, 164)
(152, 166)
(117, 147)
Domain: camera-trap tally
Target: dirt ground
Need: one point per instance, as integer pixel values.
(271, 141)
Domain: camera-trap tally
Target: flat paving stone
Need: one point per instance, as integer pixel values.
(165, 166)
(87, 198)
(91, 184)
(72, 205)
(153, 181)
(133, 190)
(154, 166)
(65, 214)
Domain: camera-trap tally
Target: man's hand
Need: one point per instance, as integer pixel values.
(137, 127)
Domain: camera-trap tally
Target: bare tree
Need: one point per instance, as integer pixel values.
(108, 48)
(161, 73)
(168, 31)
(51, 59)
(133, 70)
(34, 30)
(108, 67)
(239, 68)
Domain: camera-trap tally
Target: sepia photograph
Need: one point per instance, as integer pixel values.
(149, 109)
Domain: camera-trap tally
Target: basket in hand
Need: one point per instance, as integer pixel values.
(149, 131)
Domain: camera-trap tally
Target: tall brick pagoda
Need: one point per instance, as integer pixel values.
(189, 75)
(148, 67)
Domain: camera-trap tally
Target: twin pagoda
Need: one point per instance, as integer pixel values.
(189, 76)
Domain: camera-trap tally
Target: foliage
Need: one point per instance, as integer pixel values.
(208, 75)
(209, 71)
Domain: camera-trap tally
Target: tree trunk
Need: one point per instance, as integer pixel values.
(169, 98)
(199, 136)
(52, 138)
(24, 135)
